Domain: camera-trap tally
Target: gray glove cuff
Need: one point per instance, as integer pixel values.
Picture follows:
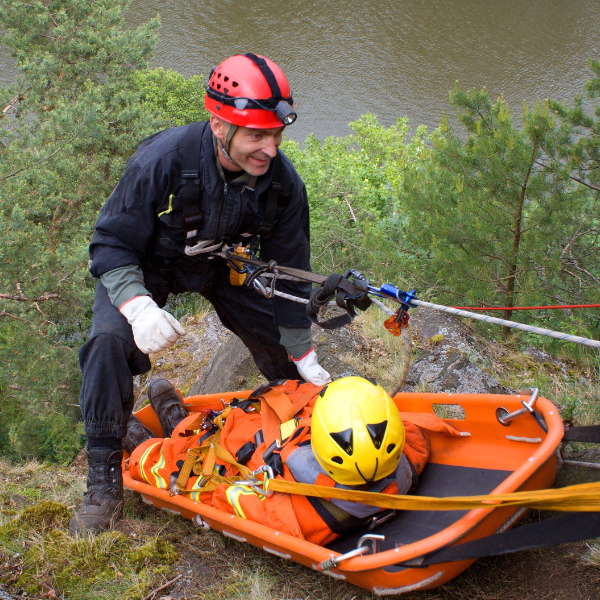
(297, 341)
(124, 283)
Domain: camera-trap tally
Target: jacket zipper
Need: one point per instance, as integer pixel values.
(223, 204)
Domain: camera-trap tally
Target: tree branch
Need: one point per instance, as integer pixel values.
(5, 314)
(22, 298)
(589, 185)
(39, 162)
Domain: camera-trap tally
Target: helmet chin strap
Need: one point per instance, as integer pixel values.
(225, 147)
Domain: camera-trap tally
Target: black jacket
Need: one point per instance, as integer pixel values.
(130, 231)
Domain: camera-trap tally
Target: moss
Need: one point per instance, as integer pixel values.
(107, 562)
(76, 565)
(154, 555)
(45, 514)
(434, 340)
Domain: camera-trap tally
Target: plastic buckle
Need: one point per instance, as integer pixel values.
(244, 454)
(269, 451)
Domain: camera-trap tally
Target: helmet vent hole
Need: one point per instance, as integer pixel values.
(344, 439)
(337, 459)
(225, 90)
(218, 86)
(225, 79)
(234, 83)
(377, 433)
(390, 448)
(219, 75)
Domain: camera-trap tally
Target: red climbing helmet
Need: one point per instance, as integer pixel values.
(250, 91)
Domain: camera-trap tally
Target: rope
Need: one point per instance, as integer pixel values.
(526, 307)
(300, 275)
(529, 328)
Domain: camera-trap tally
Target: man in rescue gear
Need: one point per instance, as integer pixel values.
(185, 191)
(348, 434)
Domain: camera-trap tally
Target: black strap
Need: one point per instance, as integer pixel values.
(191, 186)
(568, 527)
(320, 297)
(276, 202)
(590, 433)
(261, 63)
(348, 295)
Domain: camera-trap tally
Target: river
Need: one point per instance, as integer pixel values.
(392, 57)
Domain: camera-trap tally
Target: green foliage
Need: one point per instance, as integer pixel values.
(471, 217)
(45, 514)
(500, 212)
(174, 99)
(481, 209)
(109, 565)
(351, 184)
(75, 118)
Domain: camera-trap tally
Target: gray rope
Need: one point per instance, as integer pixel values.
(495, 321)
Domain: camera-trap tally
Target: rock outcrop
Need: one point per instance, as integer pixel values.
(450, 357)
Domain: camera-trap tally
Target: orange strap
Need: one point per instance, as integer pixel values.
(278, 408)
(190, 424)
(430, 423)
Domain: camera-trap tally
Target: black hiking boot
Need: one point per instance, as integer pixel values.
(167, 405)
(137, 433)
(102, 504)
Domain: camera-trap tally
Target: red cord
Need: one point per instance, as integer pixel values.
(526, 307)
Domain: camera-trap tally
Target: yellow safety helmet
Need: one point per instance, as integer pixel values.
(357, 433)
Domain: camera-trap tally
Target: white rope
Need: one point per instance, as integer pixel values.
(495, 321)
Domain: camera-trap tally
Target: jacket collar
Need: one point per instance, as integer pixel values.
(212, 180)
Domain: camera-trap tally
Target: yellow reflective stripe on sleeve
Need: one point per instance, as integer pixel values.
(143, 463)
(196, 495)
(160, 481)
(233, 497)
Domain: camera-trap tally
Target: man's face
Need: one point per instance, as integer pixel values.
(250, 149)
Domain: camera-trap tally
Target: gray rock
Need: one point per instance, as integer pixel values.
(232, 367)
(450, 359)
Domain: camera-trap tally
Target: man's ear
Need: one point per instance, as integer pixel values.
(218, 127)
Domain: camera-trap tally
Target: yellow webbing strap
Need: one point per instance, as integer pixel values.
(219, 420)
(201, 461)
(584, 497)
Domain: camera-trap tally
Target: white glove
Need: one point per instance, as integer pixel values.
(310, 370)
(154, 329)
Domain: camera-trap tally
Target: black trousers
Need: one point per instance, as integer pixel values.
(110, 358)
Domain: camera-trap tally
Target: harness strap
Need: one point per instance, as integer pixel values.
(588, 433)
(195, 463)
(348, 295)
(191, 186)
(276, 201)
(277, 408)
(570, 527)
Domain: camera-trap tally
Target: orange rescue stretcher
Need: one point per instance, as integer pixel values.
(492, 456)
